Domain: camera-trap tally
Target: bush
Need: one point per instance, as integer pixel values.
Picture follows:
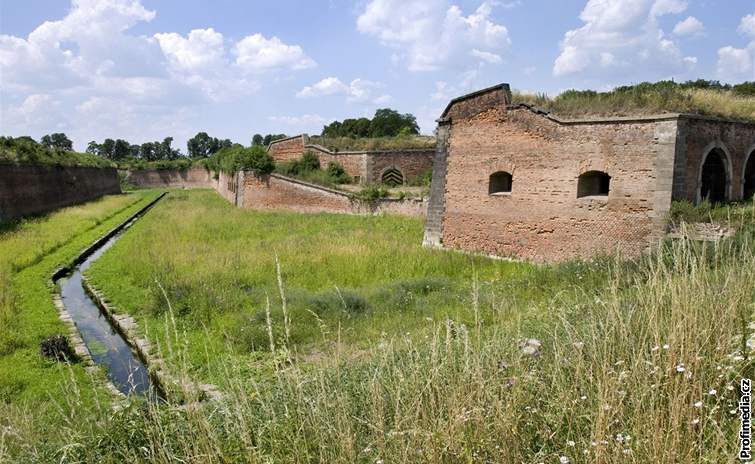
(25, 150)
(309, 162)
(337, 173)
(238, 158)
(372, 193)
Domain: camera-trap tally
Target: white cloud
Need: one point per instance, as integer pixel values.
(739, 63)
(255, 53)
(620, 36)
(120, 84)
(690, 26)
(431, 34)
(357, 91)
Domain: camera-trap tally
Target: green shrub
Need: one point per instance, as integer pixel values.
(372, 193)
(309, 161)
(336, 172)
(237, 158)
(25, 150)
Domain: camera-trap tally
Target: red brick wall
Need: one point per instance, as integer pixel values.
(196, 177)
(697, 138)
(226, 186)
(272, 192)
(287, 149)
(353, 162)
(542, 219)
(28, 190)
(412, 163)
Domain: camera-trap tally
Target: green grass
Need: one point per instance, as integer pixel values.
(646, 99)
(30, 251)
(401, 142)
(360, 277)
(387, 352)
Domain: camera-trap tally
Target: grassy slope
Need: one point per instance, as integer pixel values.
(644, 101)
(628, 349)
(30, 251)
(361, 276)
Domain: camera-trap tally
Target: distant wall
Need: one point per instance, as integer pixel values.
(26, 190)
(276, 192)
(287, 149)
(197, 177)
(411, 163)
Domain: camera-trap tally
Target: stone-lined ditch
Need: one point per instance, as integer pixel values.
(97, 338)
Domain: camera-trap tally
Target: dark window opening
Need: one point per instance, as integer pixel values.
(749, 192)
(713, 177)
(500, 182)
(392, 177)
(593, 184)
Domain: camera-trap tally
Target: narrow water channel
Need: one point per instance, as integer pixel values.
(106, 345)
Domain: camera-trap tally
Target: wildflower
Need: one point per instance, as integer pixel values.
(665, 347)
(732, 411)
(695, 421)
(570, 443)
(619, 437)
(655, 348)
(583, 397)
(627, 451)
(698, 404)
(730, 387)
(563, 460)
(680, 368)
(578, 344)
(712, 392)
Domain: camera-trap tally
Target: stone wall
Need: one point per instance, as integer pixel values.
(26, 190)
(542, 219)
(353, 162)
(365, 166)
(697, 137)
(411, 163)
(287, 149)
(275, 192)
(196, 177)
(228, 187)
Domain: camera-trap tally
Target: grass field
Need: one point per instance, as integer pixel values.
(372, 349)
(30, 251)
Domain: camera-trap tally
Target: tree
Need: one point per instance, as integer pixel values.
(257, 139)
(269, 138)
(58, 141)
(107, 149)
(93, 148)
(202, 145)
(388, 123)
(121, 150)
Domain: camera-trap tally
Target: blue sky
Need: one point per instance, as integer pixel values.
(146, 69)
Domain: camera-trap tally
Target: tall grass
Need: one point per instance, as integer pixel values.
(400, 142)
(643, 370)
(644, 99)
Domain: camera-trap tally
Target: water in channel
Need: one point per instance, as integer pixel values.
(106, 345)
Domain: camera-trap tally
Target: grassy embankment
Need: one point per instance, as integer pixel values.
(30, 251)
(23, 150)
(384, 352)
(648, 99)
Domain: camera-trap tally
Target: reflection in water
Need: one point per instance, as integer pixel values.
(106, 345)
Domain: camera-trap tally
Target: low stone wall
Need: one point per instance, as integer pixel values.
(276, 192)
(26, 190)
(196, 177)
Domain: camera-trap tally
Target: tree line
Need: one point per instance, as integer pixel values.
(385, 123)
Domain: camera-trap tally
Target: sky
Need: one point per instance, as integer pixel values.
(143, 70)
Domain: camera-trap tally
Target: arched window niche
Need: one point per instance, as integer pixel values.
(593, 184)
(500, 183)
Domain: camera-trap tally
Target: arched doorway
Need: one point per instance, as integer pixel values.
(714, 177)
(749, 177)
(392, 177)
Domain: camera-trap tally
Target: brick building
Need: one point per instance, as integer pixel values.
(510, 180)
(386, 166)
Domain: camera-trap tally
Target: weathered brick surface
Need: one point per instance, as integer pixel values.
(411, 163)
(196, 177)
(367, 166)
(227, 186)
(353, 162)
(542, 219)
(287, 149)
(697, 138)
(26, 190)
(272, 192)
